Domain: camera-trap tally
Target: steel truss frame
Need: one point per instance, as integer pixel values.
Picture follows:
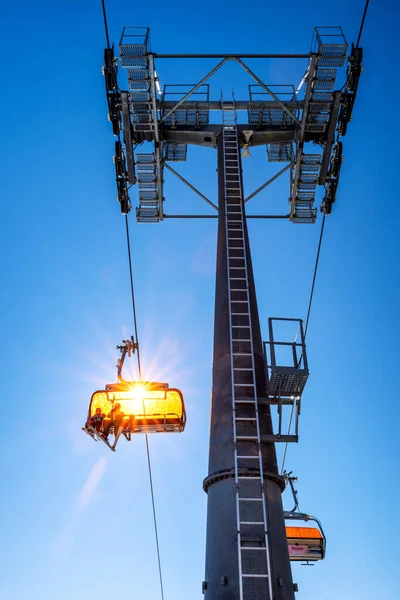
(313, 119)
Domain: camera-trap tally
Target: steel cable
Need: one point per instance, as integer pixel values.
(140, 378)
(362, 22)
(138, 352)
(306, 325)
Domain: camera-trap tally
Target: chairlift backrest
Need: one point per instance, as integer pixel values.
(305, 543)
(147, 407)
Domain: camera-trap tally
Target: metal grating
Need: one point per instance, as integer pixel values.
(325, 74)
(322, 84)
(174, 152)
(147, 177)
(263, 110)
(147, 215)
(319, 107)
(145, 159)
(305, 185)
(316, 127)
(270, 113)
(282, 152)
(304, 213)
(308, 178)
(147, 203)
(142, 117)
(305, 196)
(138, 74)
(139, 97)
(133, 46)
(141, 106)
(321, 97)
(310, 162)
(135, 61)
(330, 61)
(148, 195)
(139, 85)
(143, 127)
(194, 112)
(287, 381)
(318, 118)
(331, 45)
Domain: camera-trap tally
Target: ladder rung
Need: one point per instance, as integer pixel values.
(245, 401)
(250, 499)
(255, 575)
(241, 326)
(237, 278)
(251, 522)
(244, 385)
(245, 314)
(253, 548)
(246, 419)
(241, 353)
(242, 369)
(257, 457)
(238, 340)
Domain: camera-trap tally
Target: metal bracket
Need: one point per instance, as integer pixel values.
(128, 347)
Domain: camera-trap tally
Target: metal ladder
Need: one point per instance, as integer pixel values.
(251, 509)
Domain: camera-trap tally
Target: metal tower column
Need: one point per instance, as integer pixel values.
(246, 547)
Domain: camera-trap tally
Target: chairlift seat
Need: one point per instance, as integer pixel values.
(146, 407)
(305, 543)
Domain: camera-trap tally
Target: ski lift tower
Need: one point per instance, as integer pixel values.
(246, 549)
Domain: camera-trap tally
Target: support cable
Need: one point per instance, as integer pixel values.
(318, 255)
(319, 250)
(138, 352)
(103, 6)
(306, 325)
(314, 277)
(128, 242)
(362, 22)
(140, 378)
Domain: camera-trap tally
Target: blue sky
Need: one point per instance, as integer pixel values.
(76, 519)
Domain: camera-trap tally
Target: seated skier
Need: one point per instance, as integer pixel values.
(96, 421)
(113, 419)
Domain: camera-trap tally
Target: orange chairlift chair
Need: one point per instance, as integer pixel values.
(306, 544)
(129, 407)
